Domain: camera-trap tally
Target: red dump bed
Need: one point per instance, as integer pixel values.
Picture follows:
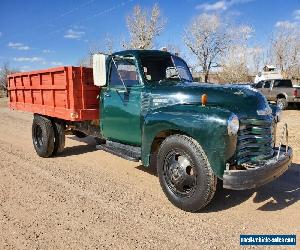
(64, 92)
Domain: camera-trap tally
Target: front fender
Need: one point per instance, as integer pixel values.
(207, 125)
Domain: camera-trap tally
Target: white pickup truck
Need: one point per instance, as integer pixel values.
(281, 91)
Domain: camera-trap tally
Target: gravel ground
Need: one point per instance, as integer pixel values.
(89, 199)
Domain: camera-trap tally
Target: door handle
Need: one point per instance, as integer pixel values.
(106, 94)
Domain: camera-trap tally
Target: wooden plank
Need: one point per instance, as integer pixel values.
(23, 92)
(52, 89)
(41, 90)
(30, 84)
(45, 87)
(67, 88)
(82, 89)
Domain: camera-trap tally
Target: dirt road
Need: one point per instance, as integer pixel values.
(89, 199)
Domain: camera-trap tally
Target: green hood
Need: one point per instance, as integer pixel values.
(241, 100)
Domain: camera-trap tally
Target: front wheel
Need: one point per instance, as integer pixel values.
(185, 174)
(282, 103)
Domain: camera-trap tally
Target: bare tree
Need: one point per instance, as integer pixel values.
(285, 50)
(257, 57)
(144, 27)
(109, 44)
(5, 70)
(236, 60)
(207, 38)
(107, 47)
(234, 65)
(211, 40)
(173, 48)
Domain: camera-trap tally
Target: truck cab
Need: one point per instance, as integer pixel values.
(132, 78)
(150, 102)
(194, 134)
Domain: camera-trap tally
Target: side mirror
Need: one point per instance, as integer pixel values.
(99, 69)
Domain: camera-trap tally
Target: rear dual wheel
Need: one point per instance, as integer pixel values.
(48, 137)
(59, 137)
(42, 136)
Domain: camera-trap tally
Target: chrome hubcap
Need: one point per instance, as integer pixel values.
(179, 174)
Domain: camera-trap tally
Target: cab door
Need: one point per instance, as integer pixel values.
(121, 103)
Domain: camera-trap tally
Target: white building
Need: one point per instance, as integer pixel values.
(269, 72)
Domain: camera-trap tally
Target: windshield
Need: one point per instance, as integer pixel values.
(162, 68)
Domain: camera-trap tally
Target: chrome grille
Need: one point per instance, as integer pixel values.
(255, 140)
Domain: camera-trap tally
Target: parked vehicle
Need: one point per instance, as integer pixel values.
(148, 108)
(280, 91)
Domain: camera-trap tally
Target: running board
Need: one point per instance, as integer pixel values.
(127, 152)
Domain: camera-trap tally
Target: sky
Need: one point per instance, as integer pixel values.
(37, 34)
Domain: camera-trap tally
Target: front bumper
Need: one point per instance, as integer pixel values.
(258, 175)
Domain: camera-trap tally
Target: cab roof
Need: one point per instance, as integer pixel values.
(138, 53)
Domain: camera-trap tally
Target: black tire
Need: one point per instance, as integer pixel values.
(282, 103)
(59, 137)
(79, 134)
(190, 187)
(42, 136)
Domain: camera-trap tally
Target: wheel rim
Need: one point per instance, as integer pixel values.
(180, 174)
(38, 136)
(280, 104)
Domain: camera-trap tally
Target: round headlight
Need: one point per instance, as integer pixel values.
(233, 125)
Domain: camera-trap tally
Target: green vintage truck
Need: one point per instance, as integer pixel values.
(150, 110)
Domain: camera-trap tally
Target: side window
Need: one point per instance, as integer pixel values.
(126, 69)
(267, 84)
(283, 83)
(277, 84)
